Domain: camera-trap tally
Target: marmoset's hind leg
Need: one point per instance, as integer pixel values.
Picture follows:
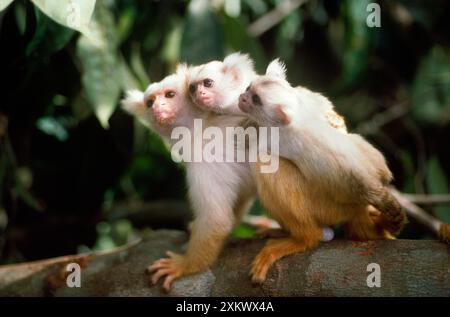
(284, 196)
(275, 249)
(367, 224)
(302, 238)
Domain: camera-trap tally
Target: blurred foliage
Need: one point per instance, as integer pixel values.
(69, 154)
(430, 91)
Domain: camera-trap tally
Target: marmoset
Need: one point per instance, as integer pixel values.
(219, 192)
(342, 177)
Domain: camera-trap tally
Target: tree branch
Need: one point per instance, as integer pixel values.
(272, 18)
(428, 199)
(439, 228)
(336, 268)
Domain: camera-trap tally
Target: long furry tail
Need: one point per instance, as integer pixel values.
(393, 214)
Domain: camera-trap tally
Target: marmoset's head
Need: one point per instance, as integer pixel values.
(268, 98)
(162, 102)
(215, 86)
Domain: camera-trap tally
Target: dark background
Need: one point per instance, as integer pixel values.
(73, 179)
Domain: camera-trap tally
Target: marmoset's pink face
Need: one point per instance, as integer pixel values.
(206, 85)
(165, 100)
(163, 105)
(215, 86)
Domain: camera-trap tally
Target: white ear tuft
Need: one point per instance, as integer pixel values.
(133, 101)
(276, 68)
(237, 58)
(182, 69)
(183, 73)
(239, 61)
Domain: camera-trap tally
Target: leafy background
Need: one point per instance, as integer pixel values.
(78, 174)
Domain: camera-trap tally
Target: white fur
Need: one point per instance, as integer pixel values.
(240, 61)
(134, 104)
(133, 101)
(325, 156)
(219, 193)
(276, 68)
(226, 82)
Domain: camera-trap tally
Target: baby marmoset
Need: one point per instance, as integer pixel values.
(342, 177)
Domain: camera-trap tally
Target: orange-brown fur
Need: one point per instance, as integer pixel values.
(340, 177)
(444, 232)
(302, 211)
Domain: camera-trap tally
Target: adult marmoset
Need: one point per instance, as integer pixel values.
(342, 177)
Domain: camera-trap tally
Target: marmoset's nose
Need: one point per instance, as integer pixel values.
(158, 105)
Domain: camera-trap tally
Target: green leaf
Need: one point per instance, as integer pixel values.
(422, 12)
(121, 231)
(138, 66)
(202, 39)
(319, 14)
(98, 54)
(358, 38)
(21, 17)
(437, 184)
(49, 36)
(129, 81)
(74, 14)
(243, 231)
(237, 37)
(4, 4)
(24, 176)
(54, 127)
(80, 107)
(232, 8)
(258, 7)
(125, 24)
(170, 51)
(430, 91)
(26, 196)
(290, 32)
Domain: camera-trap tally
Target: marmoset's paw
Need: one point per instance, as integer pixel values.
(260, 267)
(170, 268)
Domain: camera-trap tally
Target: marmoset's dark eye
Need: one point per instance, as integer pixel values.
(256, 100)
(192, 88)
(170, 94)
(150, 102)
(207, 82)
(248, 88)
